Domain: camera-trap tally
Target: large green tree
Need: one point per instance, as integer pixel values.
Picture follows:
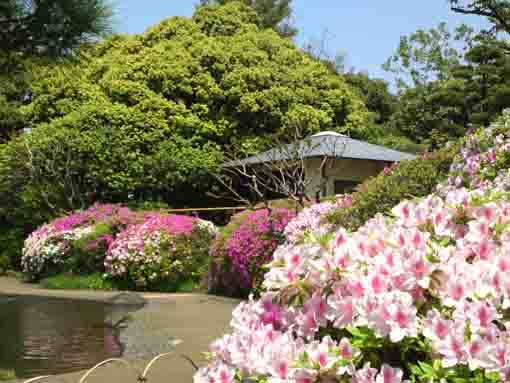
(51, 27)
(13, 88)
(33, 33)
(275, 14)
(375, 94)
(429, 54)
(448, 82)
(473, 95)
(147, 116)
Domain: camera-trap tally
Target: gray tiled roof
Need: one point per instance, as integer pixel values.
(326, 144)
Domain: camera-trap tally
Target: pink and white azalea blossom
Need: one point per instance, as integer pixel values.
(435, 272)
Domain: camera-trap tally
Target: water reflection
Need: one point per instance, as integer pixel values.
(40, 336)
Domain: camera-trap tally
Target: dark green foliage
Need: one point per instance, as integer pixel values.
(18, 217)
(433, 113)
(390, 136)
(454, 90)
(14, 75)
(486, 80)
(416, 178)
(51, 27)
(12, 237)
(497, 11)
(11, 119)
(5, 264)
(375, 94)
(382, 105)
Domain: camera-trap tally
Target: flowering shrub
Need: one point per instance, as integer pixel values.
(484, 159)
(160, 252)
(240, 252)
(49, 247)
(313, 219)
(422, 295)
(140, 249)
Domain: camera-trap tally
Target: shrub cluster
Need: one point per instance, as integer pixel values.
(74, 242)
(240, 251)
(484, 160)
(313, 219)
(160, 252)
(4, 264)
(128, 246)
(420, 295)
(408, 179)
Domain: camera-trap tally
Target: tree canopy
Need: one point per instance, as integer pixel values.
(459, 81)
(147, 116)
(35, 32)
(427, 55)
(497, 11)
(51, 27)
(375, 94)
(275, 14)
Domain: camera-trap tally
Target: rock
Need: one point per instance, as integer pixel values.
(128, 298)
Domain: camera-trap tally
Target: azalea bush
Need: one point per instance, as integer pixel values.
(484, 160)
(240, 252)
(50, 248)
(130, 249)
(159, 253)
(421, 294)
(313, 219)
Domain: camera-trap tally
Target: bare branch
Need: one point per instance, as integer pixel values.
(282, 171)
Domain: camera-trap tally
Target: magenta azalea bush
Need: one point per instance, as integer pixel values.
(137, 249)
(422, 295)
(241, 250)
(48, 248)
(160, 252)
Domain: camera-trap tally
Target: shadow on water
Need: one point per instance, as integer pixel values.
(41, 336)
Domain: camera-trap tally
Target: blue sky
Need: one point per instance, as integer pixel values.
(368, 31)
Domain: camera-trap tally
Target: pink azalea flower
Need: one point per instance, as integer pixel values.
(364, 375)
(389, 375)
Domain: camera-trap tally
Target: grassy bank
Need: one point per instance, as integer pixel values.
(97, 282)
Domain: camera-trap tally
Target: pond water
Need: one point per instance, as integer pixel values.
(44, 336)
